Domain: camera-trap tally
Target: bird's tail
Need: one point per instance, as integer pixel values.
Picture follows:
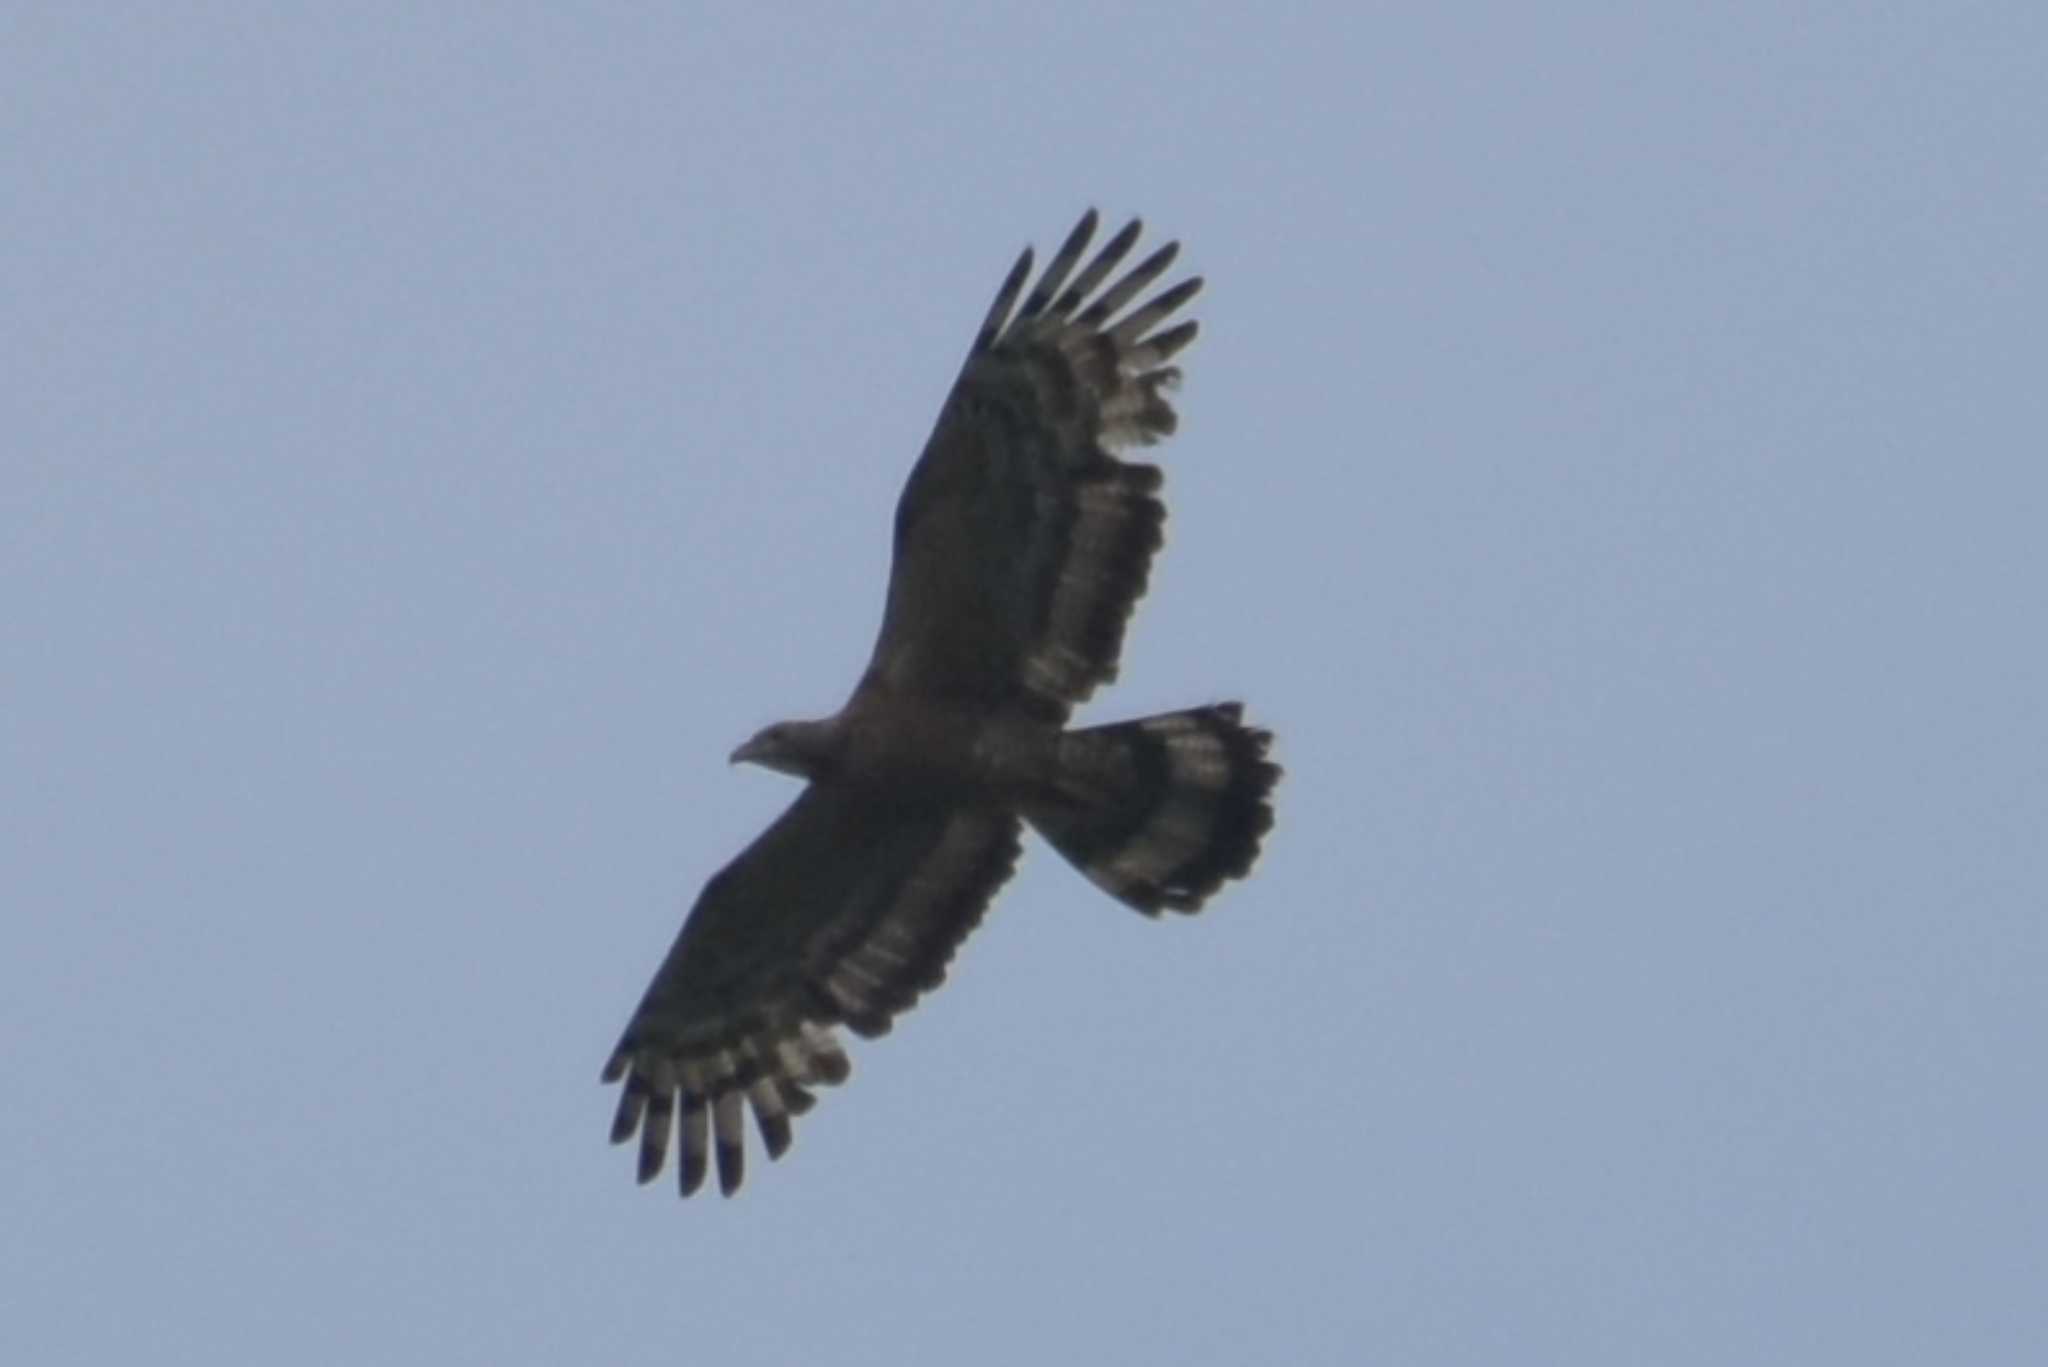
(1159, 812)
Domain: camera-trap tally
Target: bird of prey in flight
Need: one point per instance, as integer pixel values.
(1023, 540)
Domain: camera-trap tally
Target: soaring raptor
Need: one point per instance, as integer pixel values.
(1023, 540)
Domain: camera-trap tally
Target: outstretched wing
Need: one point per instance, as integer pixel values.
(1022, 541)
(842, 911)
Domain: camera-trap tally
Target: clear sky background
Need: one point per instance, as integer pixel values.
(1614, 464)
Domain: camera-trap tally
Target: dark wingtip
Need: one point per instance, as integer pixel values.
(695, 1145)
(1140, 276)
(775, 1132)
(651, 1160)
(1093, 274)
(732, 1166)
(626, 1119)
(1058, 268)
(1005, 300)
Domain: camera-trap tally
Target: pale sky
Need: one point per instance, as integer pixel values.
(1613, 464)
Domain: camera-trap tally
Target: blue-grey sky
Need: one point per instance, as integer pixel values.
(1613, 464)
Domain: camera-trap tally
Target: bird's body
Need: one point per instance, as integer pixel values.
(1022, 542)
(879, 741)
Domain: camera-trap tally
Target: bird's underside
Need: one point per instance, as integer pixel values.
(1022, 542)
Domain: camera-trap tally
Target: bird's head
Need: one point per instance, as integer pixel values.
(802, 748)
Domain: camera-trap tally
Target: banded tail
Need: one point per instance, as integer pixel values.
(1160, 812)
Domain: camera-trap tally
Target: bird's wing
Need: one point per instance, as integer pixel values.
(842, 912)
(1022, 540)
